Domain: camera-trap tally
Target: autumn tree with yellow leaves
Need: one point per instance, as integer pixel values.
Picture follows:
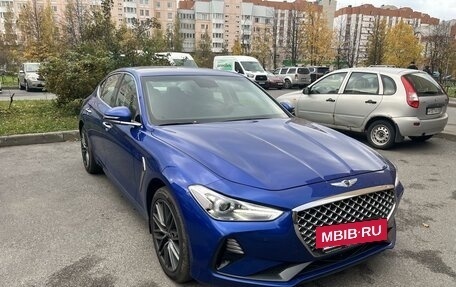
(38, 31)
(402, 46)
(317, 38)
(261, 45)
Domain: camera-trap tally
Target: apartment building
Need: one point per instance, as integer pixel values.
(354, 24)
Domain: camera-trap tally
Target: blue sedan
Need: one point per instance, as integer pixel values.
(237, 191)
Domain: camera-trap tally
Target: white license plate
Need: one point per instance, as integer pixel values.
(433, 111)
(261, 83)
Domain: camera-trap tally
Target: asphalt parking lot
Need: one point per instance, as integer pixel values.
(63, 227)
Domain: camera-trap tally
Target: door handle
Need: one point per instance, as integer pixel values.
(330, 100)
(370, 102)
(88, 110)
(107, 125)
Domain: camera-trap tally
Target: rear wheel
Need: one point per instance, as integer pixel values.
(381, 134)
(287, 84)
(421, 138)
(170, 239)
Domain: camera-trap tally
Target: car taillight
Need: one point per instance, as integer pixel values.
(411, 96)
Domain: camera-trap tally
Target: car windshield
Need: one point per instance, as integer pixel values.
(32, 67)
(202, 99)
(185, 62)
(252, 66)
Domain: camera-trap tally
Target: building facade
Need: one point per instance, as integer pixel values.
(355, 24)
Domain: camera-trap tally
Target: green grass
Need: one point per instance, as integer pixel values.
(452, 92)
(8, 81)
(37, 116)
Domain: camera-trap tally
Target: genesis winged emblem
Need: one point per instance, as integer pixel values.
(345, 182)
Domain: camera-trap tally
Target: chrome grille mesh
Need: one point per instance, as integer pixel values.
(366, 206)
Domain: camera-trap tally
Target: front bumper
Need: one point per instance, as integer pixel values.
(413, 126)
(265, 253)
(36, 84)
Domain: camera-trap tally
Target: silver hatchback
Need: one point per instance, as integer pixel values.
(387, 104)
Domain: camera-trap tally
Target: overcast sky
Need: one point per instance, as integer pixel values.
(442, 9)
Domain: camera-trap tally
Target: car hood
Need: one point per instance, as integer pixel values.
(272, 154)
(32, 75)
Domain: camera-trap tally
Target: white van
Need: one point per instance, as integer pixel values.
(246, 65)
(178, 59)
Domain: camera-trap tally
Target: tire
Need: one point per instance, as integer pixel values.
(421, 138)
(88, 158)
(20, 86)
(27, 88)
(169, 237)
(381, 134)
(287, 84)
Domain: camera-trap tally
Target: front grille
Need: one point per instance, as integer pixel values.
(261, 78)
(357, 208)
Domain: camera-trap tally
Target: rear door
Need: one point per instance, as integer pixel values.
(432, 98)
(360, 97)
(318, 105)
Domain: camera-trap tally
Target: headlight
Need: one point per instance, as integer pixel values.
(250, 75)
(224, 208)
(396, 181)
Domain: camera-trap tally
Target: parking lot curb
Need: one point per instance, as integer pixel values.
(39, 138)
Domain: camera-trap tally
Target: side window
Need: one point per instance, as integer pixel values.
(283, 71)
(238, 68)
(108, 89)
(303, 71)
(362, 83)
(127, 95)
(389, 87)
(329, 85)
(292, 71)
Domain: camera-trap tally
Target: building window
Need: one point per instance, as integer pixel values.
(157, 4)
(170, 16)
(170, 4)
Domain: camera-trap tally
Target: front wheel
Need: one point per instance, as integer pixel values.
(170, 239)
(27, 87)
(20, 85)
(421, 138)
(381, 134)
(88, 159)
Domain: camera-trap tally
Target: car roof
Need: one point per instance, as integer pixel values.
(387, 70)
(174, 71)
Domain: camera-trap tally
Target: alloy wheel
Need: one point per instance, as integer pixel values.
(166, 235)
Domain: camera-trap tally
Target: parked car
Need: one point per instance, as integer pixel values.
(236, 191)
(273, 81)
(387, 104)
(294, 76)
(317, 72)
(29, 77)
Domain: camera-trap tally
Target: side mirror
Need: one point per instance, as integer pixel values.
(287, 106)
(21, 71)
(120, 115)
(306, 91)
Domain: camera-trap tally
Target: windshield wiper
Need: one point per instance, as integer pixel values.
(180, 123)
(248, 119)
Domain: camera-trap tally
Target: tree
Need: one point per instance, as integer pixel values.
(204, 55)
(261, 46)
(76, 16)
(177, 37)
(39, 34)
(376, 43)
(440, 48)
(237, 48)
(402, 47)
(317, 38)
(8, 41)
